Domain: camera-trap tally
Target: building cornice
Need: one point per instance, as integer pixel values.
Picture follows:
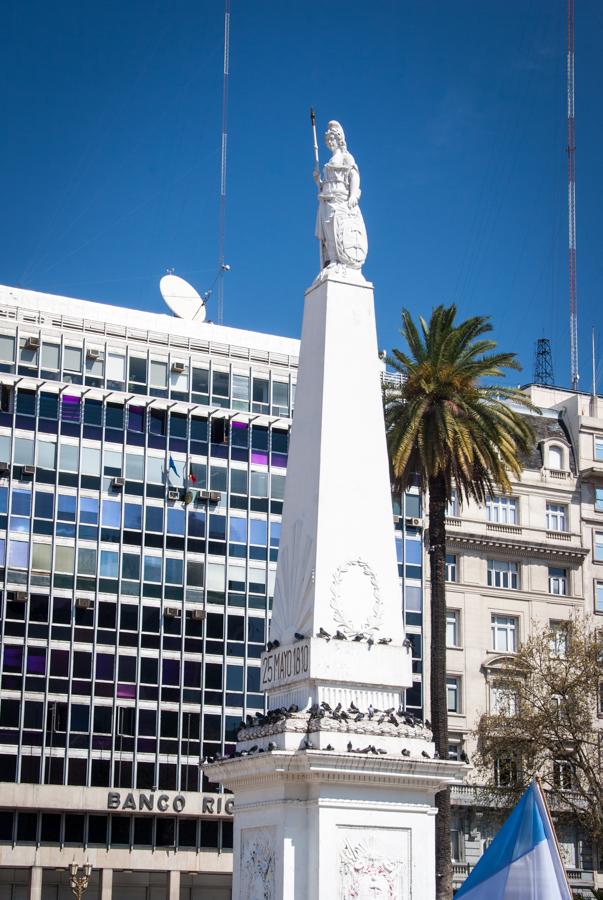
(516, 546)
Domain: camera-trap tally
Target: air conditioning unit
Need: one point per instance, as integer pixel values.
(173, 495)
(215, 496)
(413, 520)
(396, 518)
(4, 466)
(32, 343)
(178, 367)
(92, 353)
(198, 615)
(173, 612)
(118, 482)
(28, 470)
(83, 603)
(18, 596)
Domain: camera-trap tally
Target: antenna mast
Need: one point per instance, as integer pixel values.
(543, 364)
(571, 194)
(222, 267)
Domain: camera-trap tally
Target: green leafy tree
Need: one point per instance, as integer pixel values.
(547, 723)
(456, 431)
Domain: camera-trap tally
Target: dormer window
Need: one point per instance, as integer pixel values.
(556, 457)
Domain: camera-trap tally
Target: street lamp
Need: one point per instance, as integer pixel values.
(77, 882)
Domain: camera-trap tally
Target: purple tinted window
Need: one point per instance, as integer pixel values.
(36, 661)
(70, 408)
(136, 418)
(171, 671)
(105, 666)
(13, 658)
(192, 673)
(258, 456)
(128, 691)
(279, 460)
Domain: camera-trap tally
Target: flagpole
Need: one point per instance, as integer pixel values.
(553, 829)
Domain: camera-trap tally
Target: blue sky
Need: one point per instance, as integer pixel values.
(455, 112)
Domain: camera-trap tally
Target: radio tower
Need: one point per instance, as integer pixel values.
(222, 267)
(571, 196)
(543, 363)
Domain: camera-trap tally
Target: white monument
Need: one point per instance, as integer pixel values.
(334, 787)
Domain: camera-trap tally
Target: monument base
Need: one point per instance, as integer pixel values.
(326, 824)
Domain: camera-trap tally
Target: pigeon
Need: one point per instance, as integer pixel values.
(294, 708)
(308, 745)
(389, 711)
(314, 709)
(405, 752)
(464, 757)
(409, 721)
(343, 715)
(269, 646)
(349, 746)
(359, 636)
(379, 750)
(393, 721)
(248, 720)
(323, 634)
(326, 706)
(425, 754)
(381, 719)
(400, 711)
(261, 750)
(329, 747)
(370, 640)
(275, 644)
(427, 723)
(359, 717)
(337, 708)
(371, 711)
(340, 636)
(365, 750)
(272, 745)
(406, 643)
(299, 637)
(436, 755)
(253, 749)
(353, 708)
(385, 641)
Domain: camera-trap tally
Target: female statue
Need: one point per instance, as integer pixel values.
(339, 223)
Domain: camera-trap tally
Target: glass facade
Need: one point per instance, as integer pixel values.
(141, 493)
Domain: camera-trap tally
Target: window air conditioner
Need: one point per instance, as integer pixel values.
(178, 367)
(172, 612)
(83, 603)
(396, 518)
(413, 520)
(18, 597)
(118, 482)
(32, 343)
(198, 615)
(4, 466)
(215, 496)
(173, 495)
(92, 353)
(28, 470)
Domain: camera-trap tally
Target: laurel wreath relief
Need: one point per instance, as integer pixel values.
(373, 619)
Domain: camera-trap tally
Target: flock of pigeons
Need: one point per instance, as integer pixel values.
(339, 636)
(339, 714)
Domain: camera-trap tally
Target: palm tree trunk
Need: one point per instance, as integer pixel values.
(439, 705)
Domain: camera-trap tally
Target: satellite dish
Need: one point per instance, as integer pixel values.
(182, 298)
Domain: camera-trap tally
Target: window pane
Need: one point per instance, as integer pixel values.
(72, 359)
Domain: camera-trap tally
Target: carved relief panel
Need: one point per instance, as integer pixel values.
(373, 863)
(257, 864)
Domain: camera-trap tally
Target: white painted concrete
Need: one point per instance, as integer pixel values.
(35, 883)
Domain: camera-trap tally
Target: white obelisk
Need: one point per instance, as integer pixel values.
(334, 788)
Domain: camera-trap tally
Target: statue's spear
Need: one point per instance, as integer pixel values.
(313, 121)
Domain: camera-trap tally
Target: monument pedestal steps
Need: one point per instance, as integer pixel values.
(334, 788)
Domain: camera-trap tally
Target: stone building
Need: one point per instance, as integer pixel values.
(523, 561)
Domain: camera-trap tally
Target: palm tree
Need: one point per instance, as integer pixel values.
(445, 424)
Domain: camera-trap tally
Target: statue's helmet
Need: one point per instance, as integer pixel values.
(336, 130)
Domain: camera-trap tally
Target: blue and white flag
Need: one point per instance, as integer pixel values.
(172, 467)
(522, 862)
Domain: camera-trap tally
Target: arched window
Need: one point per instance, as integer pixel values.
(555, 457)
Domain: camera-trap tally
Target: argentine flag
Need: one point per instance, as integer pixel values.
(522, 862)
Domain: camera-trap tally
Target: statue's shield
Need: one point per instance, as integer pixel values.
(350, 238)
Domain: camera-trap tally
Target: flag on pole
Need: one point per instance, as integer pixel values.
(191, 475)
(172, 466)
(523, 860)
